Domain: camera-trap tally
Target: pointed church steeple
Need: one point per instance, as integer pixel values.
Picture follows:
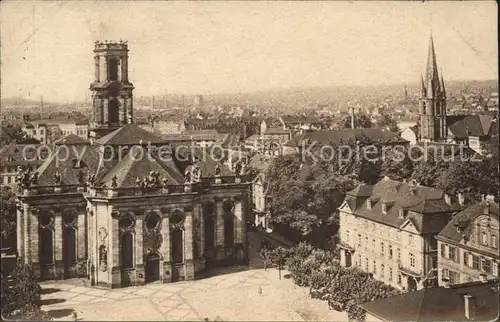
(432, 104)
(422, 87)
(431, 70)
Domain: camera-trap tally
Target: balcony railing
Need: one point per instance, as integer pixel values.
(114, 192)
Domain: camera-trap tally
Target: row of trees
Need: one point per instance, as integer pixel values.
(343, 288)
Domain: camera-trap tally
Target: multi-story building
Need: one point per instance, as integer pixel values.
(388, 229)
(37, 130)
(468, 245)
(14, 156)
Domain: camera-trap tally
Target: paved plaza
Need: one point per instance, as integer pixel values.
(232, 294)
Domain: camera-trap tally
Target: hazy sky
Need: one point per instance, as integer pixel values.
(217, 47)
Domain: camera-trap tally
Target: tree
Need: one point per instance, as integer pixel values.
(14, 134)
(360, 121)
(388, 123)
(21, 294)
(8, 214)
(278, 257)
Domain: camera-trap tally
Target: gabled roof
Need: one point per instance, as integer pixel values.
(71, 139)
(465, 220)
(23, 154)
(426, 206)
(438, 304)
(461, 126)
(131, 167)
(64, 161)
(130, 134)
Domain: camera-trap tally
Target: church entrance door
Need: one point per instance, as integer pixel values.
(152, 269)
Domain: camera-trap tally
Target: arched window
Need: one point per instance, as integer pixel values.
(152, 221)
(113, 69)
(126, 243)
(209, 218)
(228, 230)
(177, 237)
(177, 246)
(127, 250)
(46, 239)
(46, 246)
(69, 239)
(113, 111)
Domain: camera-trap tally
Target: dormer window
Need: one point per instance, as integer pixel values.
(384, 208)
(369, 204)
(484, 238)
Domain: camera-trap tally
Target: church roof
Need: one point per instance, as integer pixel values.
(133, 166)
(69, 163)
(130, 134)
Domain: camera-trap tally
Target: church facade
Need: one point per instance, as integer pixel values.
(126, 208)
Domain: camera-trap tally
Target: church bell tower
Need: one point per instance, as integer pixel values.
(112, 100)
(432, 103)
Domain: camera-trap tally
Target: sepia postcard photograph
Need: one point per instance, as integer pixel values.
(249, 160)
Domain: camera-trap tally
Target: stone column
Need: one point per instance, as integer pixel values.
(105, 117)
(119, 71)
(82, 243)
(125, 110)
(20, 232)
(34, 242)
(125, 69)
(238, 222)
(188, 244)
(102, 68)
(219, 230)
(96, 61)
(58, 246)
(25, 233)
(130, 107)
(165, 250)
(114, 269)
(139, 251)
(201, 237)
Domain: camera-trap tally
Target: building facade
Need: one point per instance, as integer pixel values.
(468, 245)
(388, 229)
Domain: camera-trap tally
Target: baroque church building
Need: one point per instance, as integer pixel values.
(125, 207)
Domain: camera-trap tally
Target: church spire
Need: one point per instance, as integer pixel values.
(431, 71)
(422, 86)
(443, 90)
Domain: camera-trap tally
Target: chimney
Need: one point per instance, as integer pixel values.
(447, 198)
(470, 306)
(461, 199)
(483, 277)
